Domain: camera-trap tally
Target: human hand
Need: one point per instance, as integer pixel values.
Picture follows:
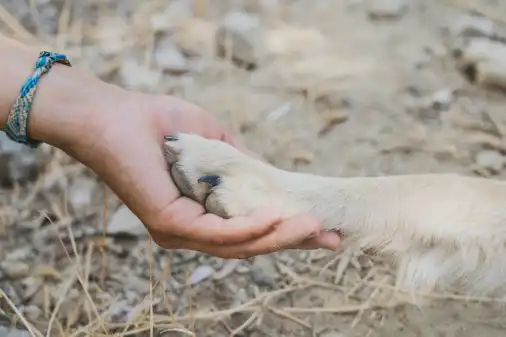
(128, 156)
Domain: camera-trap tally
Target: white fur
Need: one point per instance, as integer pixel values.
(445, 230)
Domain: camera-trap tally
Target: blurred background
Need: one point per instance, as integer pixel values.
(340, 88)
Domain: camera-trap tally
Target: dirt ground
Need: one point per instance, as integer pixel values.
(343, 88)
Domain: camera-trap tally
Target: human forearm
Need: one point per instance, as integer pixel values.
(65, 100)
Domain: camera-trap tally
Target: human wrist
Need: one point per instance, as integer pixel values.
(66, 103)
(69, 106)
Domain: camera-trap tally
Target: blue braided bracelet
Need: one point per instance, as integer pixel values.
(16, 126)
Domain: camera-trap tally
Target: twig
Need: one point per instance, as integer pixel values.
(150, 267)
(284, 314)
(359, 284)
(87, 268)
(18, 28)
(369, 301)
(88, 296)
(345, 309)
(35, 15)
(63, 25)
(33, 332)
(62, 298)
(439, 296)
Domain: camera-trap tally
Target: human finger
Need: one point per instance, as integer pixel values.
(287, 234)
(208, 228)
(325, 240)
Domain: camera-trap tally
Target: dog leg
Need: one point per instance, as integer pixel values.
(445, 230)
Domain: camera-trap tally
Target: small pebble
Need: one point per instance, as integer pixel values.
(18, 163)
(243, 34)
(490, 160)
(483, 61)
(15, 269)
(473, 26)
(112, 34)
(196, 37)
(387, 9)
(135, 76)
(169, 58)
(200, 274)
(331, 333)
(264, 272)
(123, 221)
(168, 19)
(13, 332)
(19, 254)
(33, 312)
(80, 195)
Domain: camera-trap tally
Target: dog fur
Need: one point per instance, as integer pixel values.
(445, 231)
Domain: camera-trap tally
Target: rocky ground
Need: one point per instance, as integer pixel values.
(348, 88)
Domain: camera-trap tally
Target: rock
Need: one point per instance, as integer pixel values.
(286, 40)
(169, 58)
(96, 63)
(263, 7)
(387, 9)
(80, 195)
(123, 221)
(331, 333)
(491, 160)
(200, 274)
(430, 106)
(469, 26)
(20, 254)
(492, 74)
(135, 76)
(483, 61)
(229, 266)
(31, 285)
(196, 37)
(112, 35)
(32, 312)
(171, 17)
(482, 49)
(303, 72)
(264, 272)
(241, 35)
(13, 332)
(18, 163)
(15, 269)
(441, 100)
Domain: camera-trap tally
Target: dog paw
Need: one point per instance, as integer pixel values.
(224, 180)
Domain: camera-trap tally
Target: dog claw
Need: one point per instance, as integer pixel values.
(212, 180)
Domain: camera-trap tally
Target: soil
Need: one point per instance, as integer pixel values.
(362, 88)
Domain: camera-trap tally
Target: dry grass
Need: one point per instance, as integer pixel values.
(362, 290)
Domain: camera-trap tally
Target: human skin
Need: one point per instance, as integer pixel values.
(119, 135)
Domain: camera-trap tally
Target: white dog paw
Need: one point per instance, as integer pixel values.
(220, 177)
